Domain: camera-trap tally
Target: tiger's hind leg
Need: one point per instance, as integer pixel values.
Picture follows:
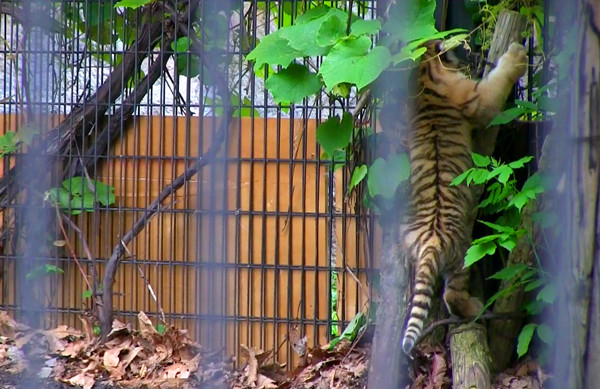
(457, 297)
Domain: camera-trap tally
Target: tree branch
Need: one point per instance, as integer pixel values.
(57, 140)
(106, 313)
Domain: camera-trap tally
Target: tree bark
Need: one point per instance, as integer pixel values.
(470, 357)
(388, 364)
(471, 360)
(503, 333)
(576, 200)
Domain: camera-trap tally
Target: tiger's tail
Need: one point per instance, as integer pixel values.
(427, 273)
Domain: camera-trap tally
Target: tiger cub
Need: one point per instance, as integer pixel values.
(447, 108)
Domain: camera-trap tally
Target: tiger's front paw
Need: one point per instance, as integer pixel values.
(514, 61)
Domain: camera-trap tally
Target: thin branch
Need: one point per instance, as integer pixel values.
(86, 249)
(71, 250)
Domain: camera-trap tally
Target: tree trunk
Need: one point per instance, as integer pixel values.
(469, 348)
(577, 156)
(503, 333)
(470, 369)
(388, 364)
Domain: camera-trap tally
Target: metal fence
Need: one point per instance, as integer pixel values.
(259, 246)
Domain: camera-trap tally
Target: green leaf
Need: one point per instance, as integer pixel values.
(498, 227)
(384, 176)
(105, 193)
(88, 200)
(342, 90)
(548, 293)
(545, 333)
(488, 238)
(350, 61)
(60, 197)
(334, 135)
(338, 159)
(53, 269)
(481, 160)
(503, 172)
(365, 27)
(133, 4)
(312, 14)
(160, 328)
(350, 332)
(528, 105)
(520, 162)
(75, 185)
(410, 20)
(532, 187)
(293, 84)
(509, 242)
(458, 180)
(478, 251)
(532, 285)
(359, 173)
(8, 143)
(330, 31)
(408, 53)
(86, 294)
(273, 50)
(509, 272)
(534, 307)
(304, 35)
(525, 339)
(507, 116)
(479, 176)
(528, 274)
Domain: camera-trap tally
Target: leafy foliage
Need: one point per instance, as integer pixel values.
(80, 194)
(356, 325)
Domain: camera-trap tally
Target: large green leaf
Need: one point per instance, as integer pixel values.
(365, 27)
(481, 160)
(273, 49)
(330, 30)
(384, 176)
(334, 134)
(478, 251)
(292, 84)
(351, 61)
(410, 20)
(133, 4)
(306, 35)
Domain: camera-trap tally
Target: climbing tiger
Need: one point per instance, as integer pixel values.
(447, 108)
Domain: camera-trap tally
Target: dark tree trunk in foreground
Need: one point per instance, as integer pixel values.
(577, 157)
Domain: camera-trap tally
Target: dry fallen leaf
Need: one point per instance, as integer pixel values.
(437, 377)
(83, 379)
(252, 368)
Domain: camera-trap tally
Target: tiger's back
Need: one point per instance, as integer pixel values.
(447, 108)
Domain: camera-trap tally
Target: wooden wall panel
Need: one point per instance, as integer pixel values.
(244, 244)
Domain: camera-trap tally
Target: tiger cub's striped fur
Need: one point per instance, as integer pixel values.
(447, 108)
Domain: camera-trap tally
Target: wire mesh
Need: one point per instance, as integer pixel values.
(257, 248)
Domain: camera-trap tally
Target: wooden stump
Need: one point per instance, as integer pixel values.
(470, 357)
